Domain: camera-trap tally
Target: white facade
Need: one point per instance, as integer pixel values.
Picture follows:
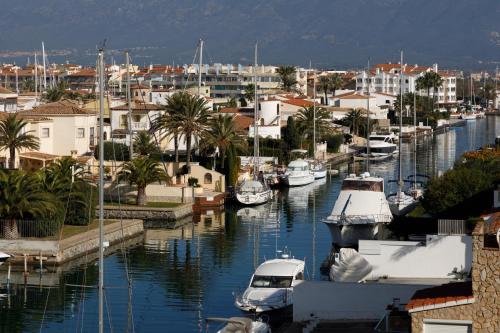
(436, 259)
(379, 104)
(385, 78)
(269, 120)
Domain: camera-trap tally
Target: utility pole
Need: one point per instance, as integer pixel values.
(129, 105)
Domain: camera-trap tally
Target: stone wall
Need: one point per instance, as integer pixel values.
(485, 284)
(459, 312)
(147, 213)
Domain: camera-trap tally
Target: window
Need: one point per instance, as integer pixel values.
(123, 121)
(137, 118)
(80, 133)
(45, 132)
(136, 94)
(271, 281)
(277, 109)
(207, 179)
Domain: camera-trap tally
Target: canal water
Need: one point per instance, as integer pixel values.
(179, 277)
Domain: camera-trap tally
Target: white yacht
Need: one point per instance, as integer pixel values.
(240, 325)
(253, 192)
(360, 210)
(3, 257)
(298, 173)
(382, 146)
(318, 169)
(271, 286)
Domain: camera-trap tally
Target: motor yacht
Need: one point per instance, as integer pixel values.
(360, 210)
(318, 169)
(298, 173)
(253, 192)
(382, 146)
(240, 325)
(271, 285)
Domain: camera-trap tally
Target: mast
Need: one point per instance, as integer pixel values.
(414, 140)
(44, 68)
(496, 88)
(314, 116)
(255, 118)
(101, 190)
(129, 106)
(36, 80)
(368, 119)
(400, 176)
(199, 69)
(17, 82)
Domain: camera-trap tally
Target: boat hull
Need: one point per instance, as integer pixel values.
(403, 206)
(319, 174)
(250, 199)
(298, 181)
(349, 235)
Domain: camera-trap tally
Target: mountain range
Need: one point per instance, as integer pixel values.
(327, 33)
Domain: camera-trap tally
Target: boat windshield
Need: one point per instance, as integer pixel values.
(260, 281)
(377, 138)
(362, 185)
(298, 168)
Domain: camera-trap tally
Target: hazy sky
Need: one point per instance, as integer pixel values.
(330, 33)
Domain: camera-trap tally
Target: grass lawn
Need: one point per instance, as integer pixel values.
(71, 230)
(149, 204)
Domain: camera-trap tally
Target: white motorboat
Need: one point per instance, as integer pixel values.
(240, 325)
(318, 169)
(468, 116)
(253, 192)
(382, 146)
(402, 203)
(360, 210)
(271, 286)
(298, 173)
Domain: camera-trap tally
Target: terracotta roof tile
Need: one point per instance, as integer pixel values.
(5, 91)
(298, 102)
(63, 107)
(137, 107)
(441, 295)
(243, 122)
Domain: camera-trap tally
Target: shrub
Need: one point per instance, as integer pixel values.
(333, 142)
(193, 182)
(113, 151)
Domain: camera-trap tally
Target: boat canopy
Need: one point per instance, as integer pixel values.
(351, 267)
(298, 165)
(280, 267)
(234, 324)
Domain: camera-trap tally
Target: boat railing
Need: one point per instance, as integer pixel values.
(358, 219)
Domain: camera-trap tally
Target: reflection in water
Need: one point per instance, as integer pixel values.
(188, 271)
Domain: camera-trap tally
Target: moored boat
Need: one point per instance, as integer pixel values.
(298, 173)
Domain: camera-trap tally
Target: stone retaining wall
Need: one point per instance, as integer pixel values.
(147, 213)
(459, 312)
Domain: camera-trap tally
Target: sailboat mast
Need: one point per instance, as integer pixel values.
(101, 190)
(199, 69)
(496, 88)
(36, 80)
(129, 106)
(414, 140)
(400, 176)
(255, 118)
(314, 115)
(368, 118)
(44, 68)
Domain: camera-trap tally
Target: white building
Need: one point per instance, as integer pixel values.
(269, 120)
(379, 103)
(8, 100)
(385, 78)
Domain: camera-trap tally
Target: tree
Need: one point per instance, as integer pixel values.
(232, 102)
(488, 93)
(287, 77)
(14, 138)
(143, 144)
(430, 80)
(113, 151)
(305, 123)
(21, 197)
(142, 171)
(329, 83)
(353, 120)
(54, 94)
(193, 121)
(249, 93)
(28, 85)
(168, 124)
(223, 133)
(291, 135)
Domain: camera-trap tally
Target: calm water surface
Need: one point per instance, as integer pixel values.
(179, 277)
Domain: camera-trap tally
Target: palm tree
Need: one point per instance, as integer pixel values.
(249, 93)
(428, 81)
(14, 138)
(142, 171)
(353, 120)
(222, 133)
(232, 102)
(168, 123)
(193, 121)
(329, 83)
(488, 93)
(287, 77)
(305, 122)
(56, 93)
(336, 82)
(21, 196)
(143, 144)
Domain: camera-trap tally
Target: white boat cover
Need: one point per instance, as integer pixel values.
(238, 325)
(253, 186)
(351, 267)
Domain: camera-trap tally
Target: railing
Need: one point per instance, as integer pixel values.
(451, 227)
(139, 126)
(15, 229)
